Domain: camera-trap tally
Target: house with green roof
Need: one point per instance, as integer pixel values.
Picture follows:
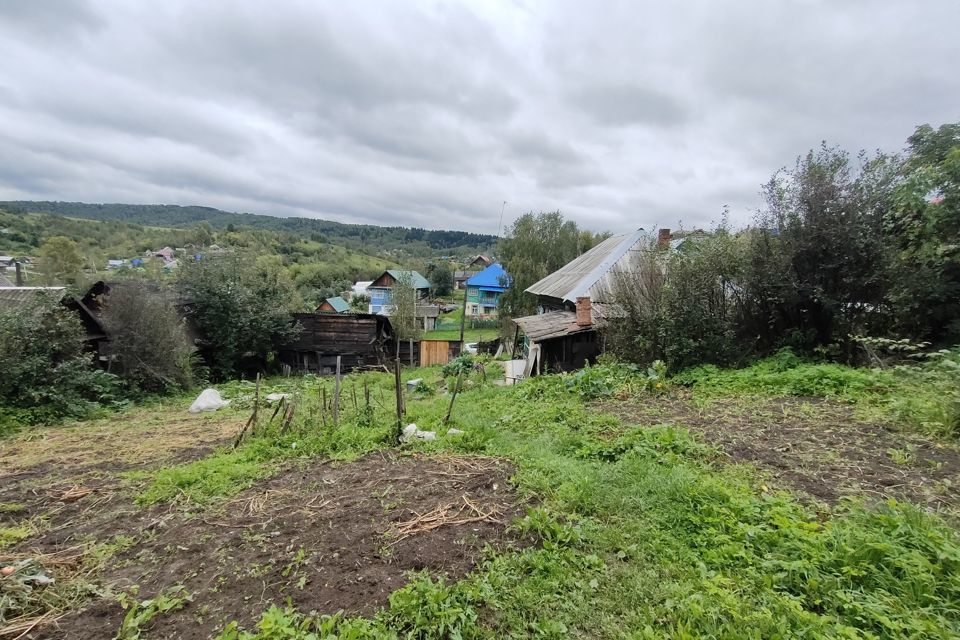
(334, 305)
(381, 289)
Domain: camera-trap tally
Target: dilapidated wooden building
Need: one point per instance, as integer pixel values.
(362, 340)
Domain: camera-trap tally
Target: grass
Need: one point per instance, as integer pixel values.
(924, 397)
(631, 532)
(640, 533)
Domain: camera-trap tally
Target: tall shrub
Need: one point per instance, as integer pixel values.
(47, 374)
(241, 310)
(148, 341)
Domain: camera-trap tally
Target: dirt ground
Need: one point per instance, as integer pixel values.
(816, 446)
(326, 536)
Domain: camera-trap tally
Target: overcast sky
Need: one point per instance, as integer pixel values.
(619, 114)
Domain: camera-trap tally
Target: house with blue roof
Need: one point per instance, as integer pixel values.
(484, 290)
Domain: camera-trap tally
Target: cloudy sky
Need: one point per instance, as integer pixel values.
(620, 114)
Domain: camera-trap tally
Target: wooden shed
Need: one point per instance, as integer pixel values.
(362, 340)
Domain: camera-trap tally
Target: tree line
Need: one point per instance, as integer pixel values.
(844, 247)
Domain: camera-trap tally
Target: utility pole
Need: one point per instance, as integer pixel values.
(500, 226)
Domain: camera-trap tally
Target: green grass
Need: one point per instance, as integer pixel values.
(641, 533)
(925, 397)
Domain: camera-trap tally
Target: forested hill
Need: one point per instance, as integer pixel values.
(357, 236)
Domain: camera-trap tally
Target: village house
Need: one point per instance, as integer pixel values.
(381, 289)
(484, 291)
(475, 266)
(573, 301)
(334, 305)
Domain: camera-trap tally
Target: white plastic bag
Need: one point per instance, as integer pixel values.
(208, 400)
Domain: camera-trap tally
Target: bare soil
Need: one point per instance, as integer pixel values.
(324, 536)
(818, 447)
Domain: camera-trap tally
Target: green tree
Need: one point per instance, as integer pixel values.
(241, 310)
(682, 307)
(403, 315)
(925, 226)
(534, 246)
(818, 268)
(60, 260)
(441, 278)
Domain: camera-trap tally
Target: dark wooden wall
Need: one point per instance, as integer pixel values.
(359, 339)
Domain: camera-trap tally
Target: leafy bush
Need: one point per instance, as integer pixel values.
(242, 311)
(148, 342)
(47, 374)
(605, 380)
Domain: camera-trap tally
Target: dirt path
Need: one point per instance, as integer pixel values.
(814, 445)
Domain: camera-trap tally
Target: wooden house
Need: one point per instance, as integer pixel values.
(362, 340)
(484, 291)
(572, 302)
(381, 289)
(334, 305)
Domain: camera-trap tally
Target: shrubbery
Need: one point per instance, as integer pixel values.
(47, 374)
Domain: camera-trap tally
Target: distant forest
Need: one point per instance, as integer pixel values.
(361, 237)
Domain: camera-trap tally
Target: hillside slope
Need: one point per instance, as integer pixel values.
(367, 238)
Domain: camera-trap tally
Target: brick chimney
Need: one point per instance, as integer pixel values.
(584, 311)
(663, 240)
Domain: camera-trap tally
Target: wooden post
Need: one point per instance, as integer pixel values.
(323, 406)
(396, 376)
(366, 393)
(252, 420)
(353, 392)
(456, 390)
(336, 396)
(410, 343)
(513, 347)
(463, 314)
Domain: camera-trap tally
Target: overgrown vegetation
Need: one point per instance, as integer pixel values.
(842, 248)
(148, 347)
(47, 373)
(241, 310)
(924, 396)
(639, 532)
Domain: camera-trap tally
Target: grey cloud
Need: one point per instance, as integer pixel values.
(624, 104)
(433, 114)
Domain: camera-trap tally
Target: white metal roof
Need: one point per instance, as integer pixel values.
(590, 274)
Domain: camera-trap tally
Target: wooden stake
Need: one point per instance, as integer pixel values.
(252, 420)
(463, 315)
(399, 389)
(336, 396)
(456, 390)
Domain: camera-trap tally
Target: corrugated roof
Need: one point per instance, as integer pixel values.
(490, 278)
(339, 304)
(546, 326)
(419, 282)
(19, 296)
(589, 275)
